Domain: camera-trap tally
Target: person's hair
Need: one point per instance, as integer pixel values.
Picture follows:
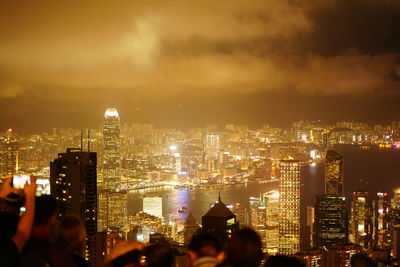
(130, 258)
(283, 260)
(205, 244)
(8, 225)
(45, 208)
(159, 255)
(363, 260)
(245, 248)
(71, 234)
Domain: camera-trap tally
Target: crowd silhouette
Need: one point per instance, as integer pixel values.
(35, 238)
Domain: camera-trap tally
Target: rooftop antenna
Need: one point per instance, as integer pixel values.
(88, 140)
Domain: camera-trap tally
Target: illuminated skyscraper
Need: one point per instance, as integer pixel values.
(380, 221)
(117, 209)
(333, 174)
(111, 150)
(271, 199)
(289, 207)
(360, 221)
(152, 204)
(9, 153)
(112, 209)
(212, 145)
(73, 178)
(258, 216)
(330, 225)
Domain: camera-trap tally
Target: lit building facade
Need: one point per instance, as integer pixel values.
(117, 209)
(330, 225)
(9, 146)
(152, 204)
(212, 145)
(111, 150)
(271, 199)
(289, 207)
(360, 221)
(380, 221)
(333, 174)
(73, 179)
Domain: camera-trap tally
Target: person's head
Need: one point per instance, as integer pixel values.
(159, 255)
(72, 234)
(361, 260)
(45, 216)
(245, 248)
(204, 244)
(283, 260)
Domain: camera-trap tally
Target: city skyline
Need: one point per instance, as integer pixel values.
(191, 63)
(153, 120)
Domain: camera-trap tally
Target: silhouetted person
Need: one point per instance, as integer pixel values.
(205, 250)
(282, 260)
(15, 230)
(39, 251)
(159, 255)
(125, 254)
(71, 236)
(244, 249)
(361, 260)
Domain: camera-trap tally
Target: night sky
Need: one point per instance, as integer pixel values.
(192, 63)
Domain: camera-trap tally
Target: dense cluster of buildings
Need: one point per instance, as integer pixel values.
(99, 166)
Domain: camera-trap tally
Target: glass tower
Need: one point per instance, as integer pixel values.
(333, 174)
(111, 150)
(330, 224)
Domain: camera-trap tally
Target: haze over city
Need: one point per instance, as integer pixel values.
(188, 63)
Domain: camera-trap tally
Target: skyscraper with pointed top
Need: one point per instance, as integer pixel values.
(220, 220)
(111, 150)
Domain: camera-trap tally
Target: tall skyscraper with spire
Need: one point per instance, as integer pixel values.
(333, 174)
(111, 150)
(112, 200)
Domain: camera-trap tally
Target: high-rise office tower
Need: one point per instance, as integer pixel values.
(380, 221)
(117, 209)
(258, 214)
(73, 182)
(111, 150)
(271, 199)
(330, 225)
(152, 204)
(360, 219)
(9, 153)
(212, 145)
(289, 206)
(112, 210)
(333, 174)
